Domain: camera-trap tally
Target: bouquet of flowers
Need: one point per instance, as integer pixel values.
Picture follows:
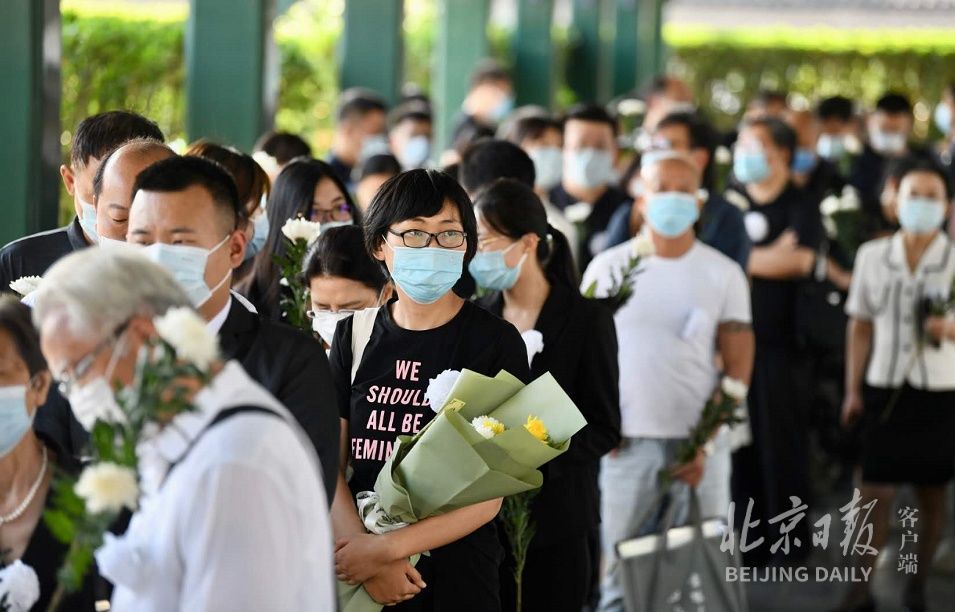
(300, 234)
(843, 221)
(490, 434)
(622, 283)
(84, 508)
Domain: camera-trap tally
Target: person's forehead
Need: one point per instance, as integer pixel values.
(193, 204)
(922, 180)
(588, 127)
(674, 133)
(671, 171)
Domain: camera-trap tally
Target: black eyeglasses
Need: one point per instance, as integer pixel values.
(341, 212)
(418, 239)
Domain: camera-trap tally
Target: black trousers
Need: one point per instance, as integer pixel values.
(558, 576)
(775, 467)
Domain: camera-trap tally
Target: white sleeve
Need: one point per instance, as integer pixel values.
(857, 306)
(597, 272)
(242, 546)
(736, 303)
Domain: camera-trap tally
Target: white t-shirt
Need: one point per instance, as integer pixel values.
(667, 333)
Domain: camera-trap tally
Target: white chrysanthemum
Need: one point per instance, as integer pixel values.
(734, 388)
(189, 336)
(850, 199)
(20, 585)
(757, 226)
(830, 206)
(579, 212)
(108, 487)
(25, 285)
(439, 388)
(301, 229)
(534, 341)
(487, 426)
(643, 246)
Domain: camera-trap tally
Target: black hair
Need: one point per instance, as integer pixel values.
(15, 320)
(411, 111)
(283, 146)
(341, 252)
(919, 162)
(512, 209)
(530, 128)
(468, 132)
(593, 113)
(701, 136)
(99, 134)
(175, 174)
(893, 103)
(358, 102)
(835, 107)
(418, 193)
(489, 71)
(380, 164)
(782, 135)
(452, 170)
(251, 181)
(489, 159)
(141, 145)
(765, 97)
(293, 196)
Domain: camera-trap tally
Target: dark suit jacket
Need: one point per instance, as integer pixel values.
(580, 351)
(293, 367)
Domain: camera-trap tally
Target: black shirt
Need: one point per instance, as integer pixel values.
(33, 255)
(592, 239)
(342, 170)
(774, 300)
(580, 351)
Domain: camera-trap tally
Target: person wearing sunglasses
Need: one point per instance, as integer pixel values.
(308, 189)
(342, 279)
(421, 228)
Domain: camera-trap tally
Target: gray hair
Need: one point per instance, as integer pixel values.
(96, 290)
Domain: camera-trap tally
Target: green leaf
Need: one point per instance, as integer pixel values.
(60, 525)
(103, 438)
(591, 291)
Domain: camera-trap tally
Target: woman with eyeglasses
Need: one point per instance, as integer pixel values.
(306, 188)
(421, 228)
(342, 278)
(28, 459)
(528, 265)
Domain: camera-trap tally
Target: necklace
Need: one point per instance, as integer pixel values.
(19, 510)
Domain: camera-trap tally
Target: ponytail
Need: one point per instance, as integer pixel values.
(557, 259)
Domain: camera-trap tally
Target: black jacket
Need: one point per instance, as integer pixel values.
(33, 255)
(293, 367)
(580, 351)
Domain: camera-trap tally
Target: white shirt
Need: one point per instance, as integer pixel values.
(885, 292)
(240, 524)
(666, 333)
(215, 325)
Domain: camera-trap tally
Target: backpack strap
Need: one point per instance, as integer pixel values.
(223, 415)
(363, 322)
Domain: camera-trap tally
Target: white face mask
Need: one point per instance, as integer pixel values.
(548, 166)
(95, 400)
(887, 143)
(187, 264)
(88, 220)
(325, 322)
(590, 168)
(415, 152)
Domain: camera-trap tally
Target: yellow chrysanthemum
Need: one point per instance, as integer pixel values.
(487, 426)
(537, 428)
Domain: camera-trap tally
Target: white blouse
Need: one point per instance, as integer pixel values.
(885, 292)
(240, 524)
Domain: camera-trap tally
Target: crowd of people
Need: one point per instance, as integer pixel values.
(815, 268)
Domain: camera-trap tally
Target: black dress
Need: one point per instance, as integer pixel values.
(776, 465)
(580, 351)
(388, 400)
(45, 555)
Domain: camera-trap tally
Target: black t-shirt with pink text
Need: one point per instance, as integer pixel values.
(388, 396)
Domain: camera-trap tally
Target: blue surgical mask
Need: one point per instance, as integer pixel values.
(15, 421)
(943, 118)
(921, 215)
(260, 232)
(590, 168)
(375, 144)
(88, 220)
(831, 147)
(502, 109)
(750, 166)
(415, 152)
(187, 264)
(548, 165)
(490, 271)
(672, 213)
(426, 275)
(804, 161)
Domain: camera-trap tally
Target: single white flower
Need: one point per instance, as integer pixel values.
(832, 230)
(439, 388)
(487, 426)
(736, 199)
(830, 206)
(734, 388)
(723, 155)
(20, 586)
(850, 199)
(643, 246)
(189, 336)
(283, 282)
(579, 212)
(534, 341)
(108, 487)
(301, 229)
(25, 285)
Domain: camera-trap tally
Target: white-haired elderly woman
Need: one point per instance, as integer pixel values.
(241, 523)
